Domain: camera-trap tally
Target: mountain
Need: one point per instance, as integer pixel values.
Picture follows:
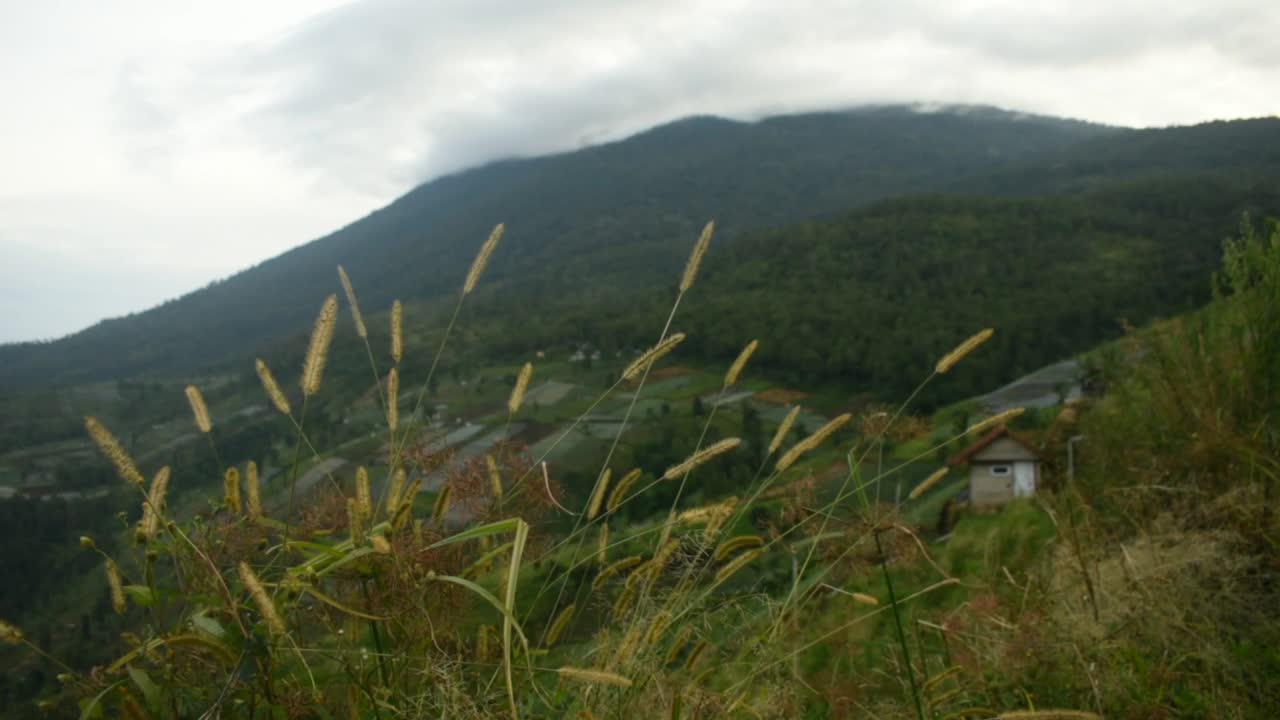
(625, 211)
(602, 226)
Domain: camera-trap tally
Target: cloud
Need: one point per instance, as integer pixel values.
(213, 137)
(383, 94)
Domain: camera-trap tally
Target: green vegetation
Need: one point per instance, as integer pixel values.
(761, 582)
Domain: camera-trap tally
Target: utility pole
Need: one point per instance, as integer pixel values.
(1071, 458)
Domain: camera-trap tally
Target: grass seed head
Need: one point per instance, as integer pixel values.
(482, 259)
(350, 292)
(650, 356)
(949, 360)
(517, 392)
(271, 387)
(928, 483)
(9, 634)
(695, 258)
(700, 457)
(785, 427)
(731, 377)
(252, 492)
(397, 331)
(318, 349)
(595, 677)
(364, 499)
(198, 409)
(812, 441)
(153, 506)
(619, 492)
(231, 490)
(393, 399)
(994, 420)
(111, 449)
(260, 598)
(597, 494)
(560, 623)
(116, 586)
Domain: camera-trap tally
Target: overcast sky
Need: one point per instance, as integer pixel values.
(147, 148)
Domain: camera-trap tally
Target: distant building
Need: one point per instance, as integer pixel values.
(1002, 466)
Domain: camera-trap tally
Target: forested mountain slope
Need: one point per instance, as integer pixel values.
(609, 223)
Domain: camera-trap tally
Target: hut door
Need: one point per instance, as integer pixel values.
(1024, 479)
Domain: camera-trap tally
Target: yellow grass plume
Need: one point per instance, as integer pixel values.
(198, 409)
(364, 499)
(111, 449)
(482, 259)
(695, 258)
(394, 491)
(595, 677)
(928, 483)
(781, 434)
(560, 623)
(864, 599)
(619, 493)
(739, 363)
(734, 544)
(517, 392)
(260, 598)
(597, 494)
(495, 477)
(356, 317)
(380, 545)
(117, 588)
(994, 420)
(153, 506)
(613, 569)
(355, 522)
(650, 356)
(252, 493)
(318, 350)
(602, 553)
(701, 457)
(811, 442)
(442, 503)
(393, 399)
(231, 490)
(271, 387)
(736, 564)
(10, 634)
(397, 331)
(949, 360)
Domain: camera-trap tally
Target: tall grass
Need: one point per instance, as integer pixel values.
(751, 606)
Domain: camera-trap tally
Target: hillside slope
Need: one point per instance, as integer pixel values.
(604, 222)
(619, 214)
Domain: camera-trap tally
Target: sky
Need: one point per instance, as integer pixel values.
(148, 148)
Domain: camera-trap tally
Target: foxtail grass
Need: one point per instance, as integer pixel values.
(780, 435)
(700, 457)
(266, 608)
(808, 444)
(318, 349)
(199, 410)
(397, 331)
(739, 363)
(356, 317)
(948, 361)
(231, 490)
(111, 449)
(695, 258)
(482, 259)
(650, 356)
(517, 392)
(272, 388)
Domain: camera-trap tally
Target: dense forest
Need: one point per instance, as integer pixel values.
(596, 225)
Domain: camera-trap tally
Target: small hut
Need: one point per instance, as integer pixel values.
(1002, 466)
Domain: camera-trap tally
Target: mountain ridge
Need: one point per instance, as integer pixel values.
(623, 210)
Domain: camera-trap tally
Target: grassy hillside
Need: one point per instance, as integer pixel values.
(1140, 586)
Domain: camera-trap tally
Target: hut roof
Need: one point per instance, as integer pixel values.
(985, 441)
